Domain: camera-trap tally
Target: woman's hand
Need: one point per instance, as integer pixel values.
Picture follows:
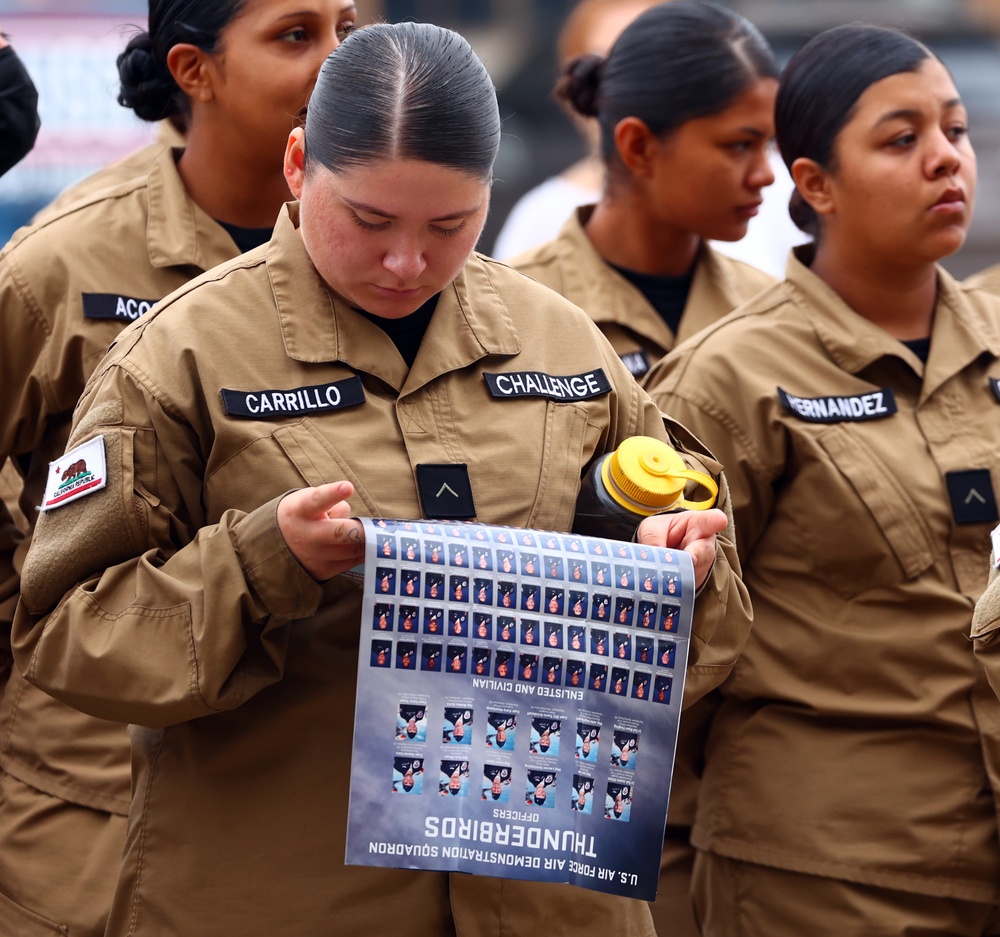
(317, 527)
(691, 531)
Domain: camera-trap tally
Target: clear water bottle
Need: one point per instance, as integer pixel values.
(642, 477)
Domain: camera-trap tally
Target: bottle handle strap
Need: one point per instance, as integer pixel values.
(706, 481)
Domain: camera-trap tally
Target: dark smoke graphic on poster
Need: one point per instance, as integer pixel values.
(518, 701)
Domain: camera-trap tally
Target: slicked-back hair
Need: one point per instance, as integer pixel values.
(147, 87)
(404, 91)
(819, 90)
(676, 62)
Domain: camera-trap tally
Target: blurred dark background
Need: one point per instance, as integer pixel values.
(70, 48)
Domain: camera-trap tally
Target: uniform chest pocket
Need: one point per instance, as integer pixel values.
(560, 467)
(290, 456)
(880, 541)
(525, 462)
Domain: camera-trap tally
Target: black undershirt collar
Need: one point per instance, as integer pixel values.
(408, 332)
(667, 295)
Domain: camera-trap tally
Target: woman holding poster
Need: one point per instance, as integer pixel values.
(342, 370)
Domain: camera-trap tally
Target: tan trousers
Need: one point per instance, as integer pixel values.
(673, 912)
(58, 864)
(742, 899)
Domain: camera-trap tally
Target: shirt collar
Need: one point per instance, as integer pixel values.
(592, 284)
(964, 327)
(178, 232)
(470, 322)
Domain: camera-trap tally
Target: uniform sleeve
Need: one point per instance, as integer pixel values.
(723, 415)
(19, 121)
(133, 608)
(722, 612)
(10, 537)
(24, 337)
(708, 400)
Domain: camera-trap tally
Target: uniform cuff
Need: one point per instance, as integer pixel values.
(282, 584)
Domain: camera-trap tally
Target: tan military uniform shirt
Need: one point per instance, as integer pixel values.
(10, 493)
(986, 620)
(988, 279)
(573, 268)
(856, 738)
(205, 628)
(117, 172)
(68, 286)
(986, 628)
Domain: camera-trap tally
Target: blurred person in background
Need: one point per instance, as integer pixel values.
(685, 106)
(237, 72)
(19, 125)
(169, 133)
(852, 768)
(19, 121)
(591, 28)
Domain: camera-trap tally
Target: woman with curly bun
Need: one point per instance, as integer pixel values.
(685, 103)
(238, 72)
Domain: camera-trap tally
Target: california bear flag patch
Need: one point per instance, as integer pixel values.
(80, 472)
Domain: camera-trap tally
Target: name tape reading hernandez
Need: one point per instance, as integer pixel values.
(847, 408)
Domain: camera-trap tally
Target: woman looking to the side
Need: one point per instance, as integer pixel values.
(851, 771)
(685, 103)
(239, 71)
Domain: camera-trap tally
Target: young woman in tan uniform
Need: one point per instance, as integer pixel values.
(226, 627)
(685, 103)
(853, 767)
(240, 70)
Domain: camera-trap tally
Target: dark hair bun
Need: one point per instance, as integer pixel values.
(146, 86)
(802, 214)
(580, 84)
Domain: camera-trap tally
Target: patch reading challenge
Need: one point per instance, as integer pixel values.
(568, 388)
(854, 408)
(300, 401)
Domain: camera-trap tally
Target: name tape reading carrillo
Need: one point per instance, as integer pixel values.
(298, 401)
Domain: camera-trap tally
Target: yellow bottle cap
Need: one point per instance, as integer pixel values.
(647, 476)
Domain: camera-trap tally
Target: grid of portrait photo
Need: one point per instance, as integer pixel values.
(554, 626)
(527, 606)
(560, 762)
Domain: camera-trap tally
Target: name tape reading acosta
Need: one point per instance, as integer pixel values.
(519, 695)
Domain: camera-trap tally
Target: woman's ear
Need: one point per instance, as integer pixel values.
(636, 146)
(190, 67)
(814, 185)
(295, 161)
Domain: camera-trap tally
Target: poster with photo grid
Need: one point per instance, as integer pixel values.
(521, 692)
